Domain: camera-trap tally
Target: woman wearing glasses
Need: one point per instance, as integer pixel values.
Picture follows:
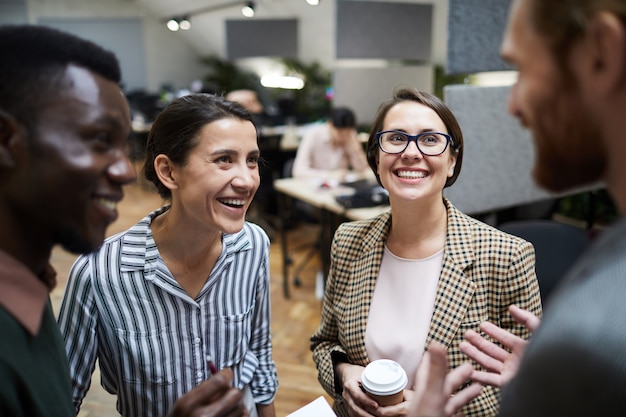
(422, 272)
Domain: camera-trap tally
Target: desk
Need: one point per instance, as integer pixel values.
(323, 199)
(289, 135)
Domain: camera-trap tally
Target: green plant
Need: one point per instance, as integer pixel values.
(596, 206)
(310, 102)
(225, 76)
(442, 79)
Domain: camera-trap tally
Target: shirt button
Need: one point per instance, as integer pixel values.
(199, 374)
(196, 340)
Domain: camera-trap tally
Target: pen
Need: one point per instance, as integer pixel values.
(211, 365)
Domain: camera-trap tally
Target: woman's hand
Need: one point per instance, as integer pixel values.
(501, 365)
(214, 397)
(356, 401)
(360, 404)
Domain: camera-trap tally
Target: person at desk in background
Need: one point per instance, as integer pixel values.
(189, 280)
(64, 129)
(422, 272)
(331, 150)
(265, 201)
(249, 99)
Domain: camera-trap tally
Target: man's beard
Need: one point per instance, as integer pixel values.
(569, 149)
(74, 242)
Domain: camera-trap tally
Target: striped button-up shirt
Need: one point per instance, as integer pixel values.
(123, 306)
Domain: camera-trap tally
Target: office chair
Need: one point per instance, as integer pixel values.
(263, 210)
(557, 247)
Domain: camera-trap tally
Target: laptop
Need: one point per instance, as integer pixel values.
(367, 193)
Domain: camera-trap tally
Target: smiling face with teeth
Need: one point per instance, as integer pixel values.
(71, 168)
(220, 177)
(410, 175)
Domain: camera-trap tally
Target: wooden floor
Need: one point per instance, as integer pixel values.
(293, 320)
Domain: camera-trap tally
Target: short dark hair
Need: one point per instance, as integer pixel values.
(32, 59)
(430, 101)
(342, 117)
(175, 131)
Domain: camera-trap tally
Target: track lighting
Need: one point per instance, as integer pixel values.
(183, 22)
(176, 23)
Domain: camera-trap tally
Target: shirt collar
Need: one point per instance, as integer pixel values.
(139, 251)
(23, 294)
(133, 260)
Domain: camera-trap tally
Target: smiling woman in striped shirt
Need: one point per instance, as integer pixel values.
(190, 280)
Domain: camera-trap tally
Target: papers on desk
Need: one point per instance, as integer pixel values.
(316, 408)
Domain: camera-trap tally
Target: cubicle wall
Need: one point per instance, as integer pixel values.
(13, 12)
(499, 154)
(475, 29)
(384, 30)
(261, 37)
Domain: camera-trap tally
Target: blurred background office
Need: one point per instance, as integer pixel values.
(212, 46)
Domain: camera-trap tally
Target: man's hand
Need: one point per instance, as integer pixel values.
(214, 397)
(500, 364)
(433, 396)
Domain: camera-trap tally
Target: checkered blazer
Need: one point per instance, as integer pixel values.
(484, 271)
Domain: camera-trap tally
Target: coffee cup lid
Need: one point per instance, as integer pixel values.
(383, 377)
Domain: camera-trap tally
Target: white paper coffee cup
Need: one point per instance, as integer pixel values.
(384, 381)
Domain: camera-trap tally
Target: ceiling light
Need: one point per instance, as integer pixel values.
(248, 9)
(173, 25)
(185, 23)
(313, 2)
(287, 82)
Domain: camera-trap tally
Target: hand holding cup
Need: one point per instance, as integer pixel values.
(384, 381)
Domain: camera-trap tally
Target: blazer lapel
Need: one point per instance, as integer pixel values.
(455, 290)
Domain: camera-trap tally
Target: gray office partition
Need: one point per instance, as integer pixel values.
(262, 37)
(498, 154)
(384, 30)
(13, 12)
(475, 29)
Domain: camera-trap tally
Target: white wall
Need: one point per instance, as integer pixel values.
(363, 89)
(168, 58)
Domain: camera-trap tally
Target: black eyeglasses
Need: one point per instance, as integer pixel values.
(428, 143)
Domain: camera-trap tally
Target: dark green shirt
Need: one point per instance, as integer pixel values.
(34, 372)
